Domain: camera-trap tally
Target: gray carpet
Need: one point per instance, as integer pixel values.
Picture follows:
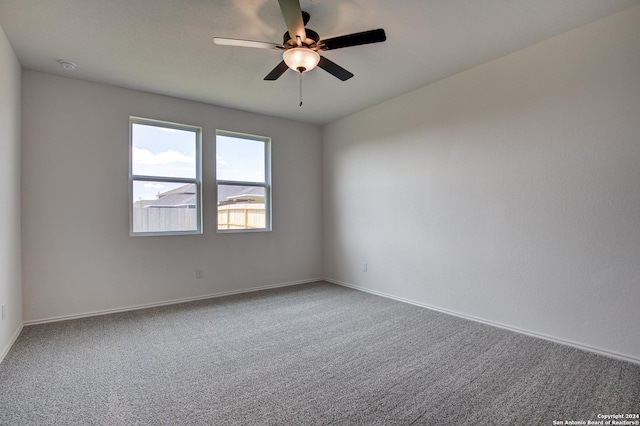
(309, 354)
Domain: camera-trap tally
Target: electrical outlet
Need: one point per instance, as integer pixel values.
(364, 267)
(198, 272)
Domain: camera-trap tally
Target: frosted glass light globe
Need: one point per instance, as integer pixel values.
(301, 59)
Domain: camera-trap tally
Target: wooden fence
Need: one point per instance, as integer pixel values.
(241, 216)
(230, 216)
(159, 220)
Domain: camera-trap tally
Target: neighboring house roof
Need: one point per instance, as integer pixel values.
(181, 197)
(185, 196)
(175, 200)
(232, 193)
(189, 188)
(142, 203)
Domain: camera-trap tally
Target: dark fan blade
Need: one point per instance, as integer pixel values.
(334, 69)
(277, 71)
(293, 17)
(356, 39)
(246, 43)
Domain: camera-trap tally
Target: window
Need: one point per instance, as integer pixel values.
(164, 178)
(243, 176)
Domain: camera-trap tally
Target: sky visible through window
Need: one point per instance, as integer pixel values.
(166, 152)
(161, 151)
(239, 159)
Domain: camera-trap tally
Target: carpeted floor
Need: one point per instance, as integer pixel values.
(309, 354)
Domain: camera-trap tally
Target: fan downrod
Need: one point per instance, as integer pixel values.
(312, 37)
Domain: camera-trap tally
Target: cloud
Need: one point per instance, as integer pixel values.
(144, 156)
(150, 185)
(220, 160)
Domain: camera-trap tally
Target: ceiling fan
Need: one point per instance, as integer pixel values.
(301, 45)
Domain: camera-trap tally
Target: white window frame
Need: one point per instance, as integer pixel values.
(266, 185)
(197, 180)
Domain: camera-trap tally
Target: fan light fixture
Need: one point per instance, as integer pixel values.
(301, 59)
(301, 44)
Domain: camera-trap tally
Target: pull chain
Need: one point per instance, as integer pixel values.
(300, 88)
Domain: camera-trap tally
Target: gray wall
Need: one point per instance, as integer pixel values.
(10, 267)
(507, 193)
(77, 254)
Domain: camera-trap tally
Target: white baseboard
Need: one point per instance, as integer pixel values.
(561, 341)
(168, 302)
(13, 339)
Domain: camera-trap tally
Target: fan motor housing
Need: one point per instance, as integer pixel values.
(312, 39)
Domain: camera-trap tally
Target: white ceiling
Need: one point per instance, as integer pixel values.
(166, 47)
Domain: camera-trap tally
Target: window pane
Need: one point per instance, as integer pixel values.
(164, 207)
(163, 151)
(239, 159)
(241, 207)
